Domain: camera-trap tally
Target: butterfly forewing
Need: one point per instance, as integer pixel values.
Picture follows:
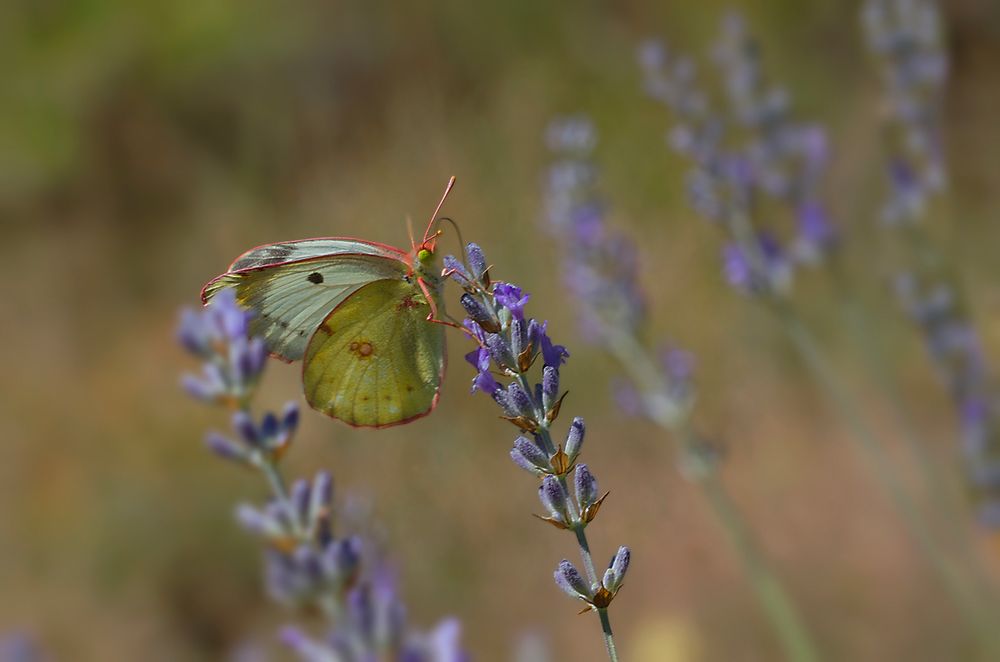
(291, 299)
(375, 360)
(287, 252)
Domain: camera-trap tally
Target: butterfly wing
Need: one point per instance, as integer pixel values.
(286, 252)
(293, 286)
(376, 361)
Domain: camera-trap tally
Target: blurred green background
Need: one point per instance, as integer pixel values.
(143, 145)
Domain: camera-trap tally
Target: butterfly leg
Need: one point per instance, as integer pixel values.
(433, 316)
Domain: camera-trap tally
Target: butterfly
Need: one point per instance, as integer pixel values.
(360, 315)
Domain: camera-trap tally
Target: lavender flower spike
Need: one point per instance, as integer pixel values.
(509, 344)
(306, 565)
(744, 152)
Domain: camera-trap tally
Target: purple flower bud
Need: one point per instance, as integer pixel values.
(390, 622)
(322, 494)
(192, 335)
(740, 269)
(244, 425)
(341, 559)
(301, 498)
(568, 578)
(284, 581)
(574, 438)
(527, 455)
(276, 512)
(308, 563)
(518, 336)
(477, 261)
(816, 235)
(500, 351)
(208, 388)
(253, 359)
(615, 574)
(444, 643)
(224, 448)
(246, 358)
(454, 267)
(269, 426)
(477, 312)
(586, 487)
(232, 320)
(554, 498)
(362, 610)
(307, 649)
(550, 386)
(520, 401)
(290, 418)
(254, 521)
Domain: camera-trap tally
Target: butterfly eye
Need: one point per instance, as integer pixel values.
(424, 255)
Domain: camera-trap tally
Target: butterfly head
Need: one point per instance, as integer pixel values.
(425, 258)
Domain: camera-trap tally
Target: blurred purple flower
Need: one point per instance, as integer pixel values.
(746, 152)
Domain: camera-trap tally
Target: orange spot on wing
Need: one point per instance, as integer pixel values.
(361, 348)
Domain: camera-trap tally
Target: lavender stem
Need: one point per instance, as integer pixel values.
(878, 463)
(609, 641)
(778, 607)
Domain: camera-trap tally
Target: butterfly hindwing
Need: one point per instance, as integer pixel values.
(291, 299)
(376, 361)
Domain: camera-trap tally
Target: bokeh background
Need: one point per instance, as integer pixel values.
(143, 145)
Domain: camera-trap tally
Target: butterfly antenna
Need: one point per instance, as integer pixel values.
(409, 230)
(458, 231)
(430, 224)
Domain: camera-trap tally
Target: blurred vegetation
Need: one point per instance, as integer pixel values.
(144, 145)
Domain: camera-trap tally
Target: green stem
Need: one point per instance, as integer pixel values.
(944, 499)
(781, 611)
(878, 463)
(609, 640)
(588, 563)
(776, 604)
(581, 536)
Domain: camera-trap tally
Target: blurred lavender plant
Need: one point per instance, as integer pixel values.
(752, 161)
(306, 565)
(509, 344)
(21, 647)
(777, 160)
(601, 270)
(905, 37)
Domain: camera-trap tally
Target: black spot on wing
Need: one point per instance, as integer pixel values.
(315, 277)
